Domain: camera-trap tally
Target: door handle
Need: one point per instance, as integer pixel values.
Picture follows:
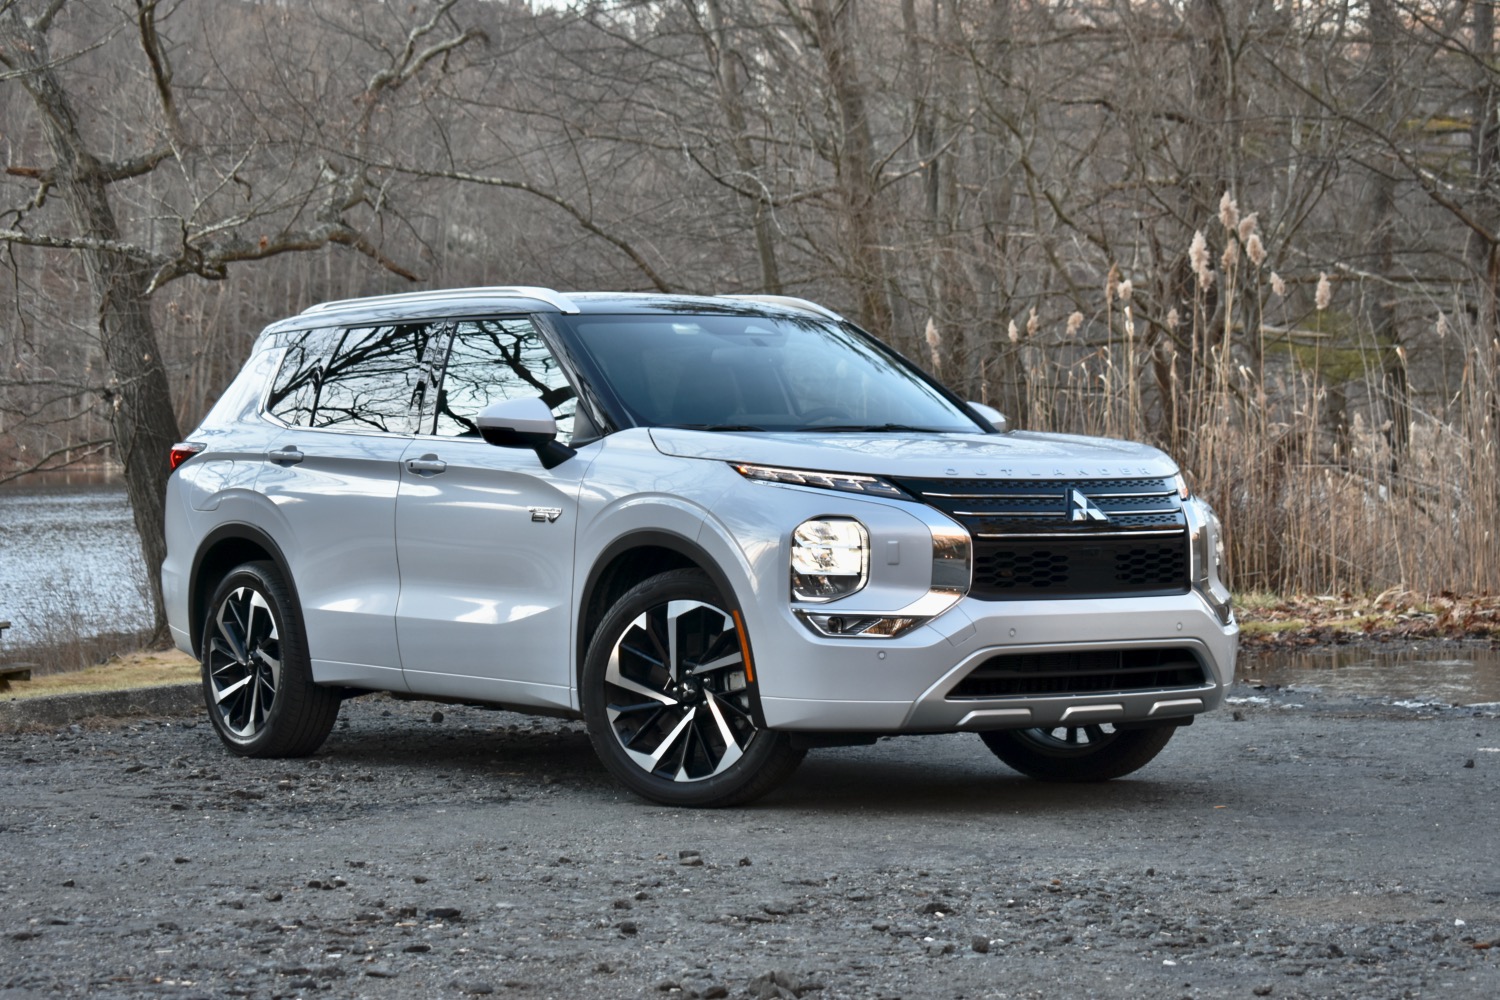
(427, 465)
(285, 456)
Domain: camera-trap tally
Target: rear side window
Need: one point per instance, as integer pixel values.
(374, 379)
(497, 359)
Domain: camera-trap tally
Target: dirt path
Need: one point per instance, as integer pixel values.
(1335, 849)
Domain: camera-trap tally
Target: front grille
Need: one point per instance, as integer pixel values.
(1008, 675)
(1067, 538)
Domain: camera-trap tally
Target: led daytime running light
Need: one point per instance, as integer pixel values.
(843, 482)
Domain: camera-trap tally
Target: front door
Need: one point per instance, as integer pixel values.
(484, 535)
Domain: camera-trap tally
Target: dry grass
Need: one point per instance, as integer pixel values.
(147, 668)
(1293, 431)
(1392, 616)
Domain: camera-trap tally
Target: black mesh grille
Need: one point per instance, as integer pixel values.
(1067, 538)
(1088, 672)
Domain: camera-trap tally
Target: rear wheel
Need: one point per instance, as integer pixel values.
(1078, 753)
(669, 698)
(257, 679)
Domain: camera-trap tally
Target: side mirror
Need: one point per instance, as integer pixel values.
(994, 417)
(524, 423)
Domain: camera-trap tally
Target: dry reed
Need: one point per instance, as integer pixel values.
(1319, 494)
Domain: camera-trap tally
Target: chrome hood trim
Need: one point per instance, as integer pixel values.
(1018, 455)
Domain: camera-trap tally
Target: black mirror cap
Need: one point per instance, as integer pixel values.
(551, 452)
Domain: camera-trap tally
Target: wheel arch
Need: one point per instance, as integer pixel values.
(632, 559)
(224, 548)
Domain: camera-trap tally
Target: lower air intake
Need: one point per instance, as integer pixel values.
(1008, 675)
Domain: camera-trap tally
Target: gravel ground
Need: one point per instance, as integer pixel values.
(1290, 847)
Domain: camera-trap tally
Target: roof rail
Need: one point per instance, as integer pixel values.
(555, 299)
(790, 301)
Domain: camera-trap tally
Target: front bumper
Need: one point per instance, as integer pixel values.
(907, 685)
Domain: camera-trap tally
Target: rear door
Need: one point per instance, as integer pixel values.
(484, 534)
(350, 399)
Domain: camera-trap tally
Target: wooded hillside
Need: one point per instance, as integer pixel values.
(1262, 234)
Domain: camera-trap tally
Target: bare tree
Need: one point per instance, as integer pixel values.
(298, 210)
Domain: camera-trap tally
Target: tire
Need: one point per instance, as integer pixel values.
(1077, 753)
(257, 679)
(671, 733)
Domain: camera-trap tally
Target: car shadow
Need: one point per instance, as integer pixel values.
(930, 775)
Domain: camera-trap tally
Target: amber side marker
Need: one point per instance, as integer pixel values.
(739, 626)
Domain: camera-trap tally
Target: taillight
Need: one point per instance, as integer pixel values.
(182, 451)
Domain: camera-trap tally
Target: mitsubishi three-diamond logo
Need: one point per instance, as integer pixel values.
(1081, 508)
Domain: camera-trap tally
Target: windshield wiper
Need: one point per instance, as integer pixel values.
(714, 427)
(866, 428)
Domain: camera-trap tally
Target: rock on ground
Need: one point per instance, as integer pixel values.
(1309, 850)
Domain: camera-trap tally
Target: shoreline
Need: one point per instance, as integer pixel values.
(1270, 623)
(1267, 625)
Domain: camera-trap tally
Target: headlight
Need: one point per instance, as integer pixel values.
(1209, 563)
(868, 485)
(952, 565)
(830, 559)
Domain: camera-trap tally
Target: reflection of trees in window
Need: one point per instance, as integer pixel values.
(374, 380)
(294, 394)
(494, 360)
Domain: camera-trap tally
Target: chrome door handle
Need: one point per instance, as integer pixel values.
(427, 465)
(285, 456)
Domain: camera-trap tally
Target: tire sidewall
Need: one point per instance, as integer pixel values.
(766, 758)
(262, 578)
(1124, 752)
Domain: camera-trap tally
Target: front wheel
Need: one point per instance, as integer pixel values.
(1077, 753)
(669, 698)
(257, 679)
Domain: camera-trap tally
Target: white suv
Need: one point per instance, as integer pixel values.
(719, 530)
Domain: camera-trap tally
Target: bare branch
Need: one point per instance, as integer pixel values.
(43, 21)
(124, 249)
(582, 218)
(212, 261)
(161, 67)
(88, 450)
(107, 171)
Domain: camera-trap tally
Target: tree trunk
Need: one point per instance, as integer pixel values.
(1382, 208)
(1485, 144)
(142, 420)
(726, 64)
(856, 167)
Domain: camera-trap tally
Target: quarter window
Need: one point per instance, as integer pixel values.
(294, 393)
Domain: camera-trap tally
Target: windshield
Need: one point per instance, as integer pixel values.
(728, 372)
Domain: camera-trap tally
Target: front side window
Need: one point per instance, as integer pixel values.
(746, 372)
(498, 359)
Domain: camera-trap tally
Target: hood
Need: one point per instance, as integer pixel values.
(1017, 455)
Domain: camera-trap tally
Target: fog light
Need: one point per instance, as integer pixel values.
(861, 626)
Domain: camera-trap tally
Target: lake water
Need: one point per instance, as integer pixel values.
(70, 563)
(1446, 673)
